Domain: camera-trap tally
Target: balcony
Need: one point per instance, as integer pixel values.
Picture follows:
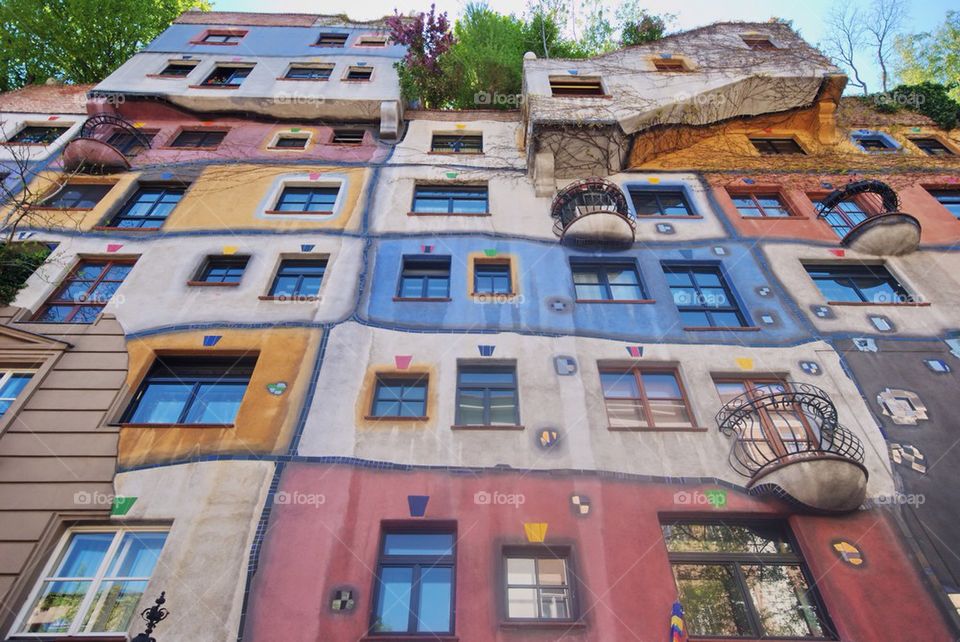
(104, 143)
(592, 211)
(867, 216)
(789, 443)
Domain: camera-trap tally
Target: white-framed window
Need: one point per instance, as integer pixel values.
(12, 383)
(93, 582)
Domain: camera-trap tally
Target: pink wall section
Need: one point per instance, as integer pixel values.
(626, 587)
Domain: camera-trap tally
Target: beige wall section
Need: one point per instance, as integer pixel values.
(213, 509)
(57, 454)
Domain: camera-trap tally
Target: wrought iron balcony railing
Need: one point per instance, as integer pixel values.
(593, 209)
(103, 144)
(871, 220)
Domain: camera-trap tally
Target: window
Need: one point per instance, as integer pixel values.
(400, 397)
(371, 41)
(12, 383)
(37, 135)
(178, 69)
(291, 141)
(776, 146)
(298, 278)
(149, 207)
(857, 284)
(415, 580)
(950, 199)
(645, 398)
(199, 139)
(78, 196)
(492, 277)
(128, 144)
(843, 217)
(702, 296)
(670, 64)
(332, 39)
(759, 204)
(220, 37)
(347, 137)
(932, 146)
(316, 200)
(223, 269)
(191, 390)
(758, 43)
(95, 583)
(609, 281)
(743, 580)
(576, 86)
(874, 143)
(538, 585)
(450, 199)
(782, 430)
(457, 144)
(360, 74)
(309, 72)
(487, 396)
(85, 292)
(660, 202)
(425, 277)
(223, 76)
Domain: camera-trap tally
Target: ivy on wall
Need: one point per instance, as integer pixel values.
(928, 98)
(17, 262)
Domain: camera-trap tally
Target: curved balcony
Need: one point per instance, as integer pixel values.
(788, 442)
(593, 210)
(91, 152)
(886, 231)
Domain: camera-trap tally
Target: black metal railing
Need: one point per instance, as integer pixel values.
(102, 126)
(778, 423)
(876, 196)
(589, 196)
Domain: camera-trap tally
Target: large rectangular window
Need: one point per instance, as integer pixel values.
(224, 76)
(606, 281)
(37, 135)
(660, 202)
(315, 200)
(128, 144)
(743, 580)
(457, 144)
(576, 86)
(95, 583)
(12, 383)
(539, 586)
(199, 139)
(149, 207)
(450, 199)
(191, 390)
(950, 199)
(415, 581)
(857, 284)
(400, 397)
(843, 216)
(298, 278)
(425, 277)
(85, 292)
(309, 72)
(760, 204)
(776, 146)
(487, 396)
(703, 297)
(645, 398)
(332, 39)
(79, 196)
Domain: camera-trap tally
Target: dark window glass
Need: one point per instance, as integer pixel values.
(487, 396)
(857, 284)
(128, 144)
(332, 39)
(660, 202)
(759, 44)
(199, 138)
(347, 137)
(400, 397)
(223, 38)
(223, 269)
(492, 278)
(950, 199)
(760, 204)
(670, 64)
(304, 72)
(226, 77)
(372, 42)
(932, 146)
(359, 73)
(616, 281)
(149, 207)
(415, 580)
(85, 292)
(425, 278)
(178, 69)
(776, 146)
(538, 587)
(77, 196)
(450, 199)
(843, 217)
(456, 143)
(873, 143)
(291, 142)
(645, 398)
(743, 580)
(574, 86)
(298, 277)
(189, 390)
(318, 200)
(702, 296)
(37, 135)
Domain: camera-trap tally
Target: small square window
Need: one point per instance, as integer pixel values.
(450, 199)
(199, 139)
(347, 137)
(932, 146)
(758, 43)
(425, 277)
(332, 39)
(149, 206)
(178, 69)
(759, 204)
(359, 74)
(12, 383)
(222, 269)
(457, 143)
(949, 198)
(660, 202)
(309, 72)
(311, 200)
(539, 586)
(853, 283)
(80, 196)
(223, 37)
(400, 397)
(298, 278)
(492, 277)
(670, 64)
(291, 141)
(371, 41)
(776, 146)
(874, 143)
(37, 135)
(606, 281)
(573, 86)
(226, 76)
(487, 396)
(645, 398)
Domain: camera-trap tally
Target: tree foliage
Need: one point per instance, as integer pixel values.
(932, 57)
(427, 37)
(17, 262)
(77, 41)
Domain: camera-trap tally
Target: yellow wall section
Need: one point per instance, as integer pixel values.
(264, 423)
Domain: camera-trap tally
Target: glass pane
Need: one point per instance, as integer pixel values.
(590, 292)
(622, 276)
(418, 544)
(707, 278)
(694, 319)
(522, 603)
(877, 290)
(669, 413)
(161, 403)
(436, 592)
(503, 407)
(86, 314)
(673, 204)
(837, 290)
(725, 538)
(310, 286)
(411, 287)
(114, 606)
(55, 314)
(625, 413)
(730, 389)
(118, 272)
(438, 287)
(216, 403)
(470, 407)
(486, 376)
(89, 271)
(661, 385)
(435, 205)
(104, 291)
(726, 319)
(552, 572)
(386, 409)
(55, 607)
(137, 554)
(521, 571)
(586, 277)
(618, 385)
(684, 296)
(554, 604)
(393, 603)
(626, 292)
(782, 599)
(712, 601)
(74, 291)
(14, 385)
(84, 555)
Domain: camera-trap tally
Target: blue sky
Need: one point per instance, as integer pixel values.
(807, 15)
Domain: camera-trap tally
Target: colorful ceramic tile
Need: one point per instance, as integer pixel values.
(536, 532)
(402, 361)
(417, 505)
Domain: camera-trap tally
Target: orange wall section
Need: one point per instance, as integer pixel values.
(265, 422)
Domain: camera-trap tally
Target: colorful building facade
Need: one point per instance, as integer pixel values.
(321, 366)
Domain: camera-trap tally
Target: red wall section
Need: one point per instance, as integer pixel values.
(625, 586)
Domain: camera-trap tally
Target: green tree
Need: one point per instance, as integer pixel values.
(77, 41)
(932, 57)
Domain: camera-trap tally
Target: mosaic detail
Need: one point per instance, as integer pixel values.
(848, 553)
(277, 388)
(865, 345)
(343, 599)
(402, 361)
(548, 438)
(810, 367)
(902, 406)
(536, 532)
(580, 505)
(665, 228)
(907, 455)
(211, 340)
(635, 351)
(564, 365)
(486, 351)
(417, 505)
(881, 323)
(822, 311)
(938, 366)
(114, 247)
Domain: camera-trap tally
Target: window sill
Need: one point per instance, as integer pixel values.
(792, 217)
(326, 46)
(413, 637)
(655, 429)
(634, 301)
(422, 299)
(304, 79)
(333, 144)
(174, 148)
(355, 81)
(162, 77)
(601, 96)
(456, 153)
(298, 212)
(486, 427)
(285, 149)
(49, 208)
(919, 304)
(493, 297)
(290, 299)
(394, 419)
(661, 217)
(136, 425)
(560, 624)
(111, 228)
(214, 44)
(68, 638)
(468, 214)
(212, 284)
(213, 86)
(749, 328)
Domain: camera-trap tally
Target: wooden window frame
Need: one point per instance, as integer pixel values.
(755, 195)
(564, 553)
(52, 300)
(637, 373)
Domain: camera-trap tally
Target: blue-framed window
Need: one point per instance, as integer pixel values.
(425, 277)
(415, 583)
(223, 269)
(857, 284)
(874, 142)
(949, 198)
(149, 207)
(492, 277)
(400, 396)
(315, 200)
(702, 296)
(298, 277)
(843, 216)
(660, 201)
(606, 281)
(82, 196)
(226, 76)
(450, 199)
(487, 396)
(191, 390)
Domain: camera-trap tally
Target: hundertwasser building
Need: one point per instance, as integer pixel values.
(321, 366)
